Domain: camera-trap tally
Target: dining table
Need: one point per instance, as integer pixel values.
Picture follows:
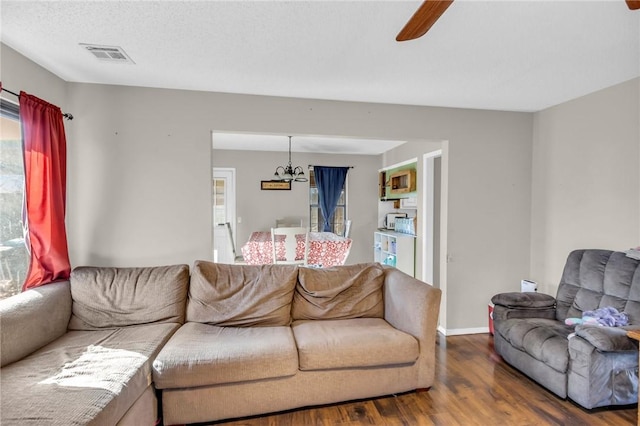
(326, 249)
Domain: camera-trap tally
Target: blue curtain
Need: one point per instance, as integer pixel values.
(329, 181)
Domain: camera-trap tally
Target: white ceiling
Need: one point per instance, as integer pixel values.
(502, 55)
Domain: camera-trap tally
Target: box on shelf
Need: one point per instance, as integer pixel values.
(406, 225)
(390, 260)
(409, 203)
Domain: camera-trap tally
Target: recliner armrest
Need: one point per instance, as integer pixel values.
(607, 339)
(523, 305)
(524, 300)
(502, 313)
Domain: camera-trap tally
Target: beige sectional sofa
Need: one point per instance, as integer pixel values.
(245, 340)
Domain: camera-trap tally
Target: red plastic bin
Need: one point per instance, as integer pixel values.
(491, 318)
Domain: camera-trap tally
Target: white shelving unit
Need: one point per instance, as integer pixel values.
(395, 249)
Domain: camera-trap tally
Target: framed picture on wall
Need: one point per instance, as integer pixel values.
(275, 185)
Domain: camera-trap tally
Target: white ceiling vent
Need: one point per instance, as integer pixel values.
(113, 54)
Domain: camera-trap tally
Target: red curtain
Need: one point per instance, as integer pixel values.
(45, 169)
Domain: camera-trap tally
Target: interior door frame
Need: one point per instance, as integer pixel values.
(428, 216)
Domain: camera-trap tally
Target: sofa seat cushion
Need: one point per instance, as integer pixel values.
(202, 355)
(349, 343)
(82, 378)
(544, 339)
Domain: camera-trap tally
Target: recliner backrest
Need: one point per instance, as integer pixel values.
(594, 279)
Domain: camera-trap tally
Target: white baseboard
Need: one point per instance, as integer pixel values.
(460, 331)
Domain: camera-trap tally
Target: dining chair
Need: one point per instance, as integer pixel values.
(347, 228)
(288, 222)
(290, 245)
(237, 258)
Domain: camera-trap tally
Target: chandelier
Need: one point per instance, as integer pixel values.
(289, 173)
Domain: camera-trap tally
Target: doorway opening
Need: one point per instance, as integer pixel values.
(224, 211)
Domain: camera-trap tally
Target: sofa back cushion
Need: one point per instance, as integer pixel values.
(595, 279)
(241, 295)
(353, 291)
(117, 297)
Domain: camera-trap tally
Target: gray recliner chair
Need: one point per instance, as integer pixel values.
(592, 365)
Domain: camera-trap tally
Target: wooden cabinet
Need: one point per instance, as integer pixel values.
(396, 185)
(402, 182)
(382, 185)
(395, 249)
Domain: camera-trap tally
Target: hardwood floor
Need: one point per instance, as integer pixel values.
(473, 387)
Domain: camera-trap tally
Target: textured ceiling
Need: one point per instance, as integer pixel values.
(504, 55)
(501, 55)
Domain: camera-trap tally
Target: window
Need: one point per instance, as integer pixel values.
(219, 205)
(14, 258)
(315, 216)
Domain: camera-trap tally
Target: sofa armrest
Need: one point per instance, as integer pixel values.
(32, 319)
(413, 306)
(607, 339)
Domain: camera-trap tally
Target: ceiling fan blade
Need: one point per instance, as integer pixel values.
(633, 4)
(424, 18)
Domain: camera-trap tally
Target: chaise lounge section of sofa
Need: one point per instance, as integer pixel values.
(79, 352)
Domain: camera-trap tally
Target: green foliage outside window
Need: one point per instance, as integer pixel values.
(13, 255)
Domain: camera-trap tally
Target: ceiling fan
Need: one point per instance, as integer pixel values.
(431, 10)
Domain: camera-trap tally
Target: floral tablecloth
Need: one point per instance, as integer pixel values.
(326, 249)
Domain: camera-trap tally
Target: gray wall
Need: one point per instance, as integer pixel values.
(586, 179)
(140, 169)
(259, 209)
(18, 73)
(486, 193)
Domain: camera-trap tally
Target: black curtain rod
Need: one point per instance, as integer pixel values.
(9, 91)
(311, 165)
(66, 115)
